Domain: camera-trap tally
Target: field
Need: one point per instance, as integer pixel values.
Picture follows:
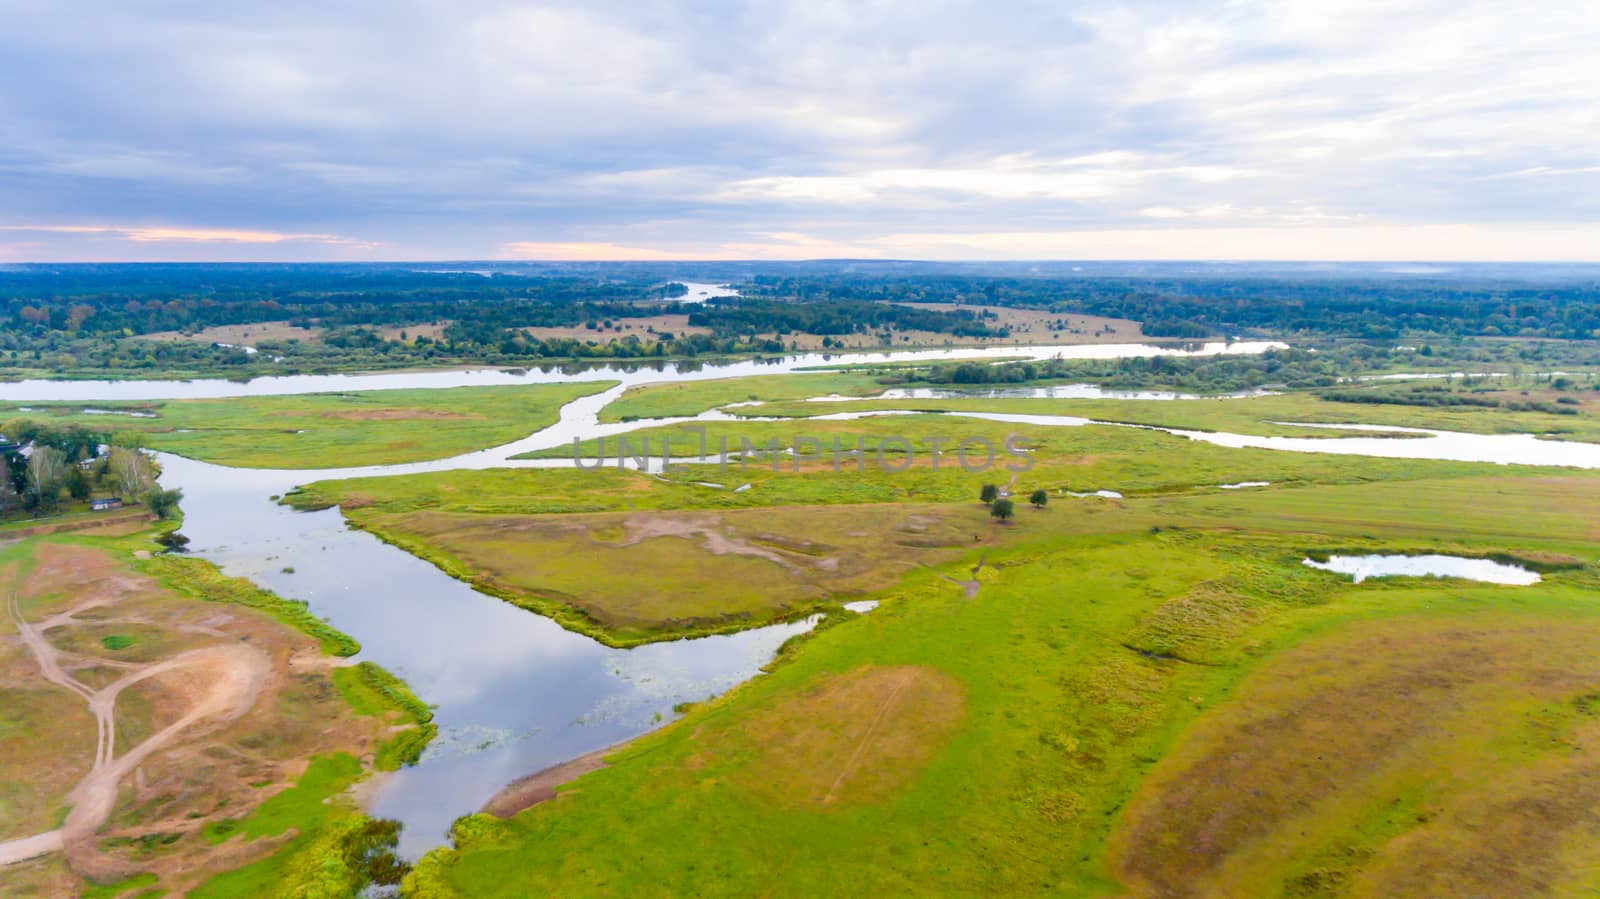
(332, 430)
(1026, 326)
(157, 719)
(1069, 704)
(1264, 415)
(693, 397)
(629, 558)
(241, 335)
(1142, 693)
(1084, 723)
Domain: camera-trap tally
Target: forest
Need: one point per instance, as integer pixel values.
(82, 319)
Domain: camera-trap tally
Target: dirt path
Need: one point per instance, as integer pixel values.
(969, 586)
(24, 848)
(866, 738)
(223, 683)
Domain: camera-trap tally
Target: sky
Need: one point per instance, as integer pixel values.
(201, 130)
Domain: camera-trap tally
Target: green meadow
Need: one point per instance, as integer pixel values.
(329, 430)
(1150, 696)
(1273, 415)
(744, 545)
(693, 397)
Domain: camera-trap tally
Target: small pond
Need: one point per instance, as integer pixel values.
(1487, 570)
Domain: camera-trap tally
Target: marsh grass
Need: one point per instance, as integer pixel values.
(331, 430)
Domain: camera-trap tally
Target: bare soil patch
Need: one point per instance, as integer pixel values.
(177, 728)
(540, 786)
(241, 335)
(1027, 326)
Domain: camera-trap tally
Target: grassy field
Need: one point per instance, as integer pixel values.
(693, 397)
(1084, 723)
(1264, 415)
(234, 793)
(735, 547)
(596, 550)
(1087, 723)
(331, 430)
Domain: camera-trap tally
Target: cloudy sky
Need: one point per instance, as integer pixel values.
(613, 129)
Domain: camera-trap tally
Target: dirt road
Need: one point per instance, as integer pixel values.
(220, 682)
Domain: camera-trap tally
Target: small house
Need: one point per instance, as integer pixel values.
(105, 503)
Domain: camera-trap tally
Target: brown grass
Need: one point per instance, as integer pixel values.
(677, 325)
(1330, 738)
(853, 738)
(1028, 326)
(663, 570)
(242, 335)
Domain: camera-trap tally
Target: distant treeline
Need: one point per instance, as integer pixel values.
(1329, 367)
(83, 319)
(1437, 395)
(1382, 309)
(134, 300)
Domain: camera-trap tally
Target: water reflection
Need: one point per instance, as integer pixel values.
(637, 372)
(513, 692)
(1487, 570)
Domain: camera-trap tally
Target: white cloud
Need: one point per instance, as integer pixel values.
(663, 125)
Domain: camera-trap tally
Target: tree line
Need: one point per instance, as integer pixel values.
(67, 461)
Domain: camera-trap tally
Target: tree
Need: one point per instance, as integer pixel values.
(989, 493)
(164, 502)
(133, 472)
(1001, 510)
(47, 467)
(1039, 498)
(9, 500)
(77, 483)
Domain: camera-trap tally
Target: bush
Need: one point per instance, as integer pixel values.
(1002, 509)
(174, 542)
(989, 493)
(164, 502)
(1039, 498)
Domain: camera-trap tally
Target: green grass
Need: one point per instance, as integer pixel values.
(488, 527)
(1096, 650)
(308, 807)
(1080, 459)
(370, 690)
(693, 397)
(115, 642)
(1265, 415)
(118, 889)
(199, 579)
(332, 430)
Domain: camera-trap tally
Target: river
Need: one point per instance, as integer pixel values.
(513, 692)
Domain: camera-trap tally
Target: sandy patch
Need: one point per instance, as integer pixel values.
(541, 786)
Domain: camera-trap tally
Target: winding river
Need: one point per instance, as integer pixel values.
(514, 692)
